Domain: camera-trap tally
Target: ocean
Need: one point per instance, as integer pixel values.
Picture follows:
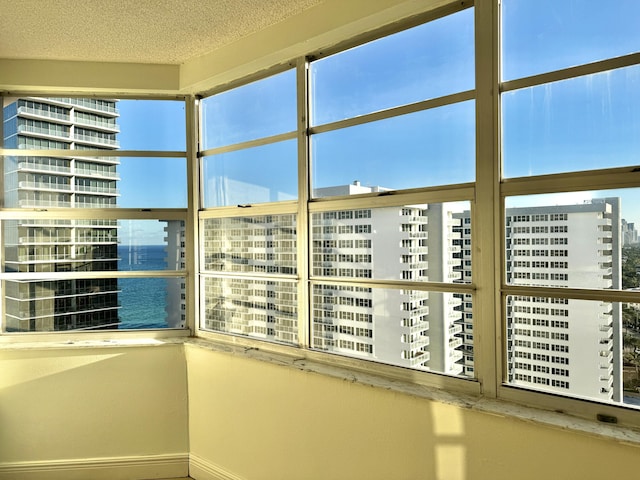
(143, 300)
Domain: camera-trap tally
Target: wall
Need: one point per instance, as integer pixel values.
(256, 420)
(89, 413)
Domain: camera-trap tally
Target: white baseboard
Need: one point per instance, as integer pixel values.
(201, 469)
(115, 468)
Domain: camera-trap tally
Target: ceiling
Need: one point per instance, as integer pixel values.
(133, 31)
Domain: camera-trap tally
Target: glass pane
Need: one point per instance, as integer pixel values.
(413, 242)
(95, 182)
(543, 35)
(255, 175)
(583, 123)
(578, 239)
(94, 124)
(152, 183)
(408, 328)
(428, 61)
(36, 245)
(631, 351)
(573, 347)
(152, 303)
(427, 148)
(256, 110)
(264, 309)
(265, 244)
(152, 125)
(95, 303)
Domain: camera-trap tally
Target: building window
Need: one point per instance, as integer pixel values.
(54, 262)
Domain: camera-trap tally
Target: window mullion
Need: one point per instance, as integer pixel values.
(192, 115)
(304, 168)
(486, 253)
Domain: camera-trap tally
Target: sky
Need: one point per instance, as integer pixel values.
(585, 123)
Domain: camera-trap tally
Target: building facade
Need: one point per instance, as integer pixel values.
(555, 344)
(60, 245)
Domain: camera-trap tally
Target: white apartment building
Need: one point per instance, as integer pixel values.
(243, 247)
(463, 254)
(554, 344)
(60, 245)
(410, 328)
(175, 233)
(403, 327)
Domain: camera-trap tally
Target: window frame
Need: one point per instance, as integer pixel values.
(584, 180)
(115, 213)
(306, 205)
(488, 194)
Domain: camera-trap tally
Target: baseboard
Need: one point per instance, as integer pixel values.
(115, 468)
(201, 469)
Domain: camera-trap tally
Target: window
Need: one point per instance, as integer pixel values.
(351, 243)
(563, 116)
(345, 217)
(116, 187)
(252, 255)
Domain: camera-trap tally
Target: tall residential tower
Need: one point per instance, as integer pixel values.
(60, 245)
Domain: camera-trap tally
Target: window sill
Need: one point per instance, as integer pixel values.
(91, 340)
(300, 360)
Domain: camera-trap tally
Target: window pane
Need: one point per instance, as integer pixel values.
(408, 328)
(543, 35)
(573, 347)
(255, 175)
(42, 305)
(152, 303)
(265, 309)
(578, 240)
(265, 244)
(428, 61)
(95, 182)
(94, 124)
(414, 242)
(54, 245)
(583, 123)
(152, 183)
(152, 125)
(427, 148)
(256, 110)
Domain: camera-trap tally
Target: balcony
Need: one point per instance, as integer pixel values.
(98, 190)
(85, 172)
(110, 127)
(94, 140)
(32, 203)
(456, 356)
(455, 329)
(42, 167)
(36, 113)
(60, 187)
(44, 132)
(89, 104)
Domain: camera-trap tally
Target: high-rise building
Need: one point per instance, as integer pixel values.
(405, 327)
(629, 233)
(411, 328)
(175, 250)
(60, 245)
(556, 344)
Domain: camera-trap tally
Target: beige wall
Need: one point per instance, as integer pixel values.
(264, 421)
(78, 403)
(258, 420)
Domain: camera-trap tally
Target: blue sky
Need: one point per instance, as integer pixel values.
(585, 123)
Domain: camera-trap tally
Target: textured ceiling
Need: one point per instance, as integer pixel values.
(139, 31)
